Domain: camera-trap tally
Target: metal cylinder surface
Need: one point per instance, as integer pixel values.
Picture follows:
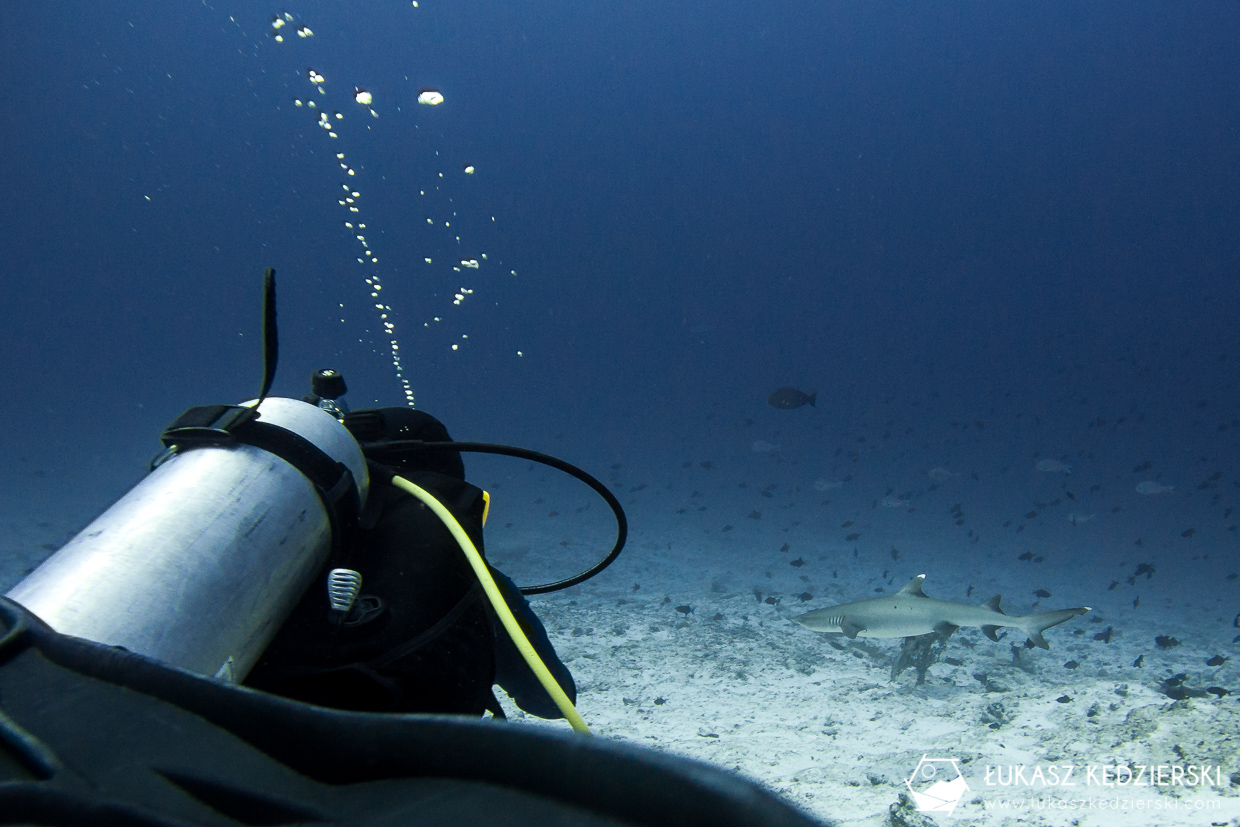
(200, 563)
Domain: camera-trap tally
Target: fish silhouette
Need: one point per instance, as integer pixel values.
(789, 398)
(1151, 487)
(1053, 466)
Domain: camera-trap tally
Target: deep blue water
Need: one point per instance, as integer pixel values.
(984, 233)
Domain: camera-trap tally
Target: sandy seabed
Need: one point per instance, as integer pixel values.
(817, 718)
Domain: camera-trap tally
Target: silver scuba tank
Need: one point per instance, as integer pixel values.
(201, 562)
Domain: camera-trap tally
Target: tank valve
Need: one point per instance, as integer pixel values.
(327, 390)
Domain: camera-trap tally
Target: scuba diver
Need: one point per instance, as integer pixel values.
(290, 620)
(420, 637)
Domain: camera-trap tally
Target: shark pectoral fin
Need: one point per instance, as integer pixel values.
(851, 628)
(991, 632)
(945, 630)
(993, 604)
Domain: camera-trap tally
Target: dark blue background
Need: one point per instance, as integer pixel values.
(979, 208)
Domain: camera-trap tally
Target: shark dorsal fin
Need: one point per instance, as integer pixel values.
(914, 587)
(993, 604)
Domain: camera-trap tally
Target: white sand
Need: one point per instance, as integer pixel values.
(825, 727)
(816, 717)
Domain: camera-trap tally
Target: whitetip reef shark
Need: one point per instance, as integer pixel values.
(909, 613)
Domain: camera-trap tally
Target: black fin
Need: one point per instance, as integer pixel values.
(271, 340)
(991, 632)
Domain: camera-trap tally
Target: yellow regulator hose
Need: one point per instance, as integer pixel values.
(497, 600)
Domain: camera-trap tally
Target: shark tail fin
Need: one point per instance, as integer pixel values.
(1035, 624)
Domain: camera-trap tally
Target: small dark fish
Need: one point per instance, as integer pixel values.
(772, 601)
(1217, 660)
(755, 515)
(1217, 691)
(851, 537)
(1042, 593)
(785, 547)
(1166, 642)
(1137, 663)
(1146, 569)
(1031, 515)
(797, 563)
(685, 610)
(789, 398)
(1175, 689)
(1188, 532)
(803, 596)
(1071, 665)
(1105, 636)
(1028, 555)
(1063, 699)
